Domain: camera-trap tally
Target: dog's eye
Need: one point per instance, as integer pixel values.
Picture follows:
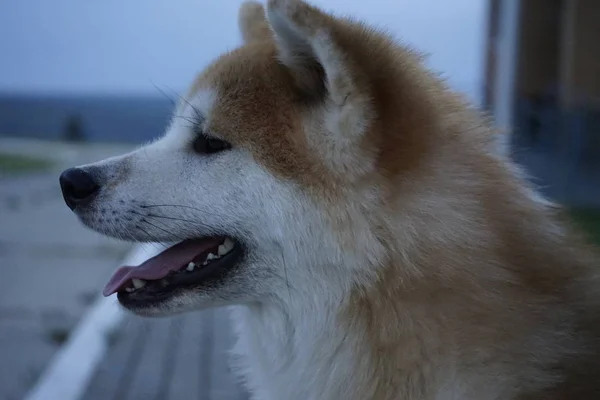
(206, 145)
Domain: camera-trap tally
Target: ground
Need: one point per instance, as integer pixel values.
(179, 358)
(52, 267)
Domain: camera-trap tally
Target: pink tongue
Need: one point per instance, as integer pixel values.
(172, 259)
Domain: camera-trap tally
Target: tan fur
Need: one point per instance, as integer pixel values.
(481, 284)
(264, 100)
(252, 22)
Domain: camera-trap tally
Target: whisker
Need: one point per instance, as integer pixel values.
(164, 217)
(168, 205)
(175, 219)
(188, 119)
(195, 223)
(164, 94)
(199, 116)
(158, 227)
(178, 237)
(151, 237)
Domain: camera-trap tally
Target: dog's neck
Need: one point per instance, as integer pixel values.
(306, 344)
(385, 340)
(354, 337)
(295, 354)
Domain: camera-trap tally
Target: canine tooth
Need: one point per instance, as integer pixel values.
(138, 283)
(222, 250)
(190, 266)
(228, 244)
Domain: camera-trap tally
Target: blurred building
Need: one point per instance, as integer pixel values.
(542, 81)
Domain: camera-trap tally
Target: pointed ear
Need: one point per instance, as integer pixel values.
(306, 44)
(253, 23)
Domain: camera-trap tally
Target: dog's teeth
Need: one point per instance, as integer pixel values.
(226, 247)
(129, 289)
(138, 283)
(210, 256)
(190, 266)
(228, 244)
(205, 263)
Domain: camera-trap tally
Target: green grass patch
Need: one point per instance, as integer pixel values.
(16, 163)
(588, 220)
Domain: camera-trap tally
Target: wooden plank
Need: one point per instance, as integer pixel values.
(204, 359)
(147, 373)
(179, 358)
(224, 385)
(115, 369)
(171, 357)
(195, 336)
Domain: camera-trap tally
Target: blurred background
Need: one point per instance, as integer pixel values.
(80, 81)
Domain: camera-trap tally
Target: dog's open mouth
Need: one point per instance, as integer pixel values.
(192, 262)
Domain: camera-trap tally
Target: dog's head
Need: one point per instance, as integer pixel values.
(269, 171)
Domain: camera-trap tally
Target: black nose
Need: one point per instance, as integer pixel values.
(77, 187)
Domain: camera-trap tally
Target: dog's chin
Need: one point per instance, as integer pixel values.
(179, 302)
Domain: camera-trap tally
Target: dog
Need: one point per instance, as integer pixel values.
(363, 222)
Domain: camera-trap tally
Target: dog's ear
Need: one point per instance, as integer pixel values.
(253, 23)
(304, 38)
(311, 44)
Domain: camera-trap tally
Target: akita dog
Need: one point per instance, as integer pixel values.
(374, 237)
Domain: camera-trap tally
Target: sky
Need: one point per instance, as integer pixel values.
(132, 46)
